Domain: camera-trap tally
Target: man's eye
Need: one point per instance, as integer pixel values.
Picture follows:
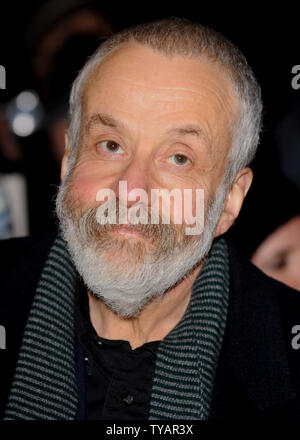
(109, 147)
(178, 159)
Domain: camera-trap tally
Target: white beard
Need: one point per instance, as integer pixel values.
(112, 274)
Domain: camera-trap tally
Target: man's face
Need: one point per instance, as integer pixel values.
(279, 254)
(171, 117)
(155, 122)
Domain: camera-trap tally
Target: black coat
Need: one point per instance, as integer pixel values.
(258, 373)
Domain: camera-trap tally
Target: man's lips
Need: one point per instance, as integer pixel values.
(127, 231)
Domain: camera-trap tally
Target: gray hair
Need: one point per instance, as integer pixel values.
(182, 37)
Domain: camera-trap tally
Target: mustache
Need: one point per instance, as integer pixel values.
(92, 230)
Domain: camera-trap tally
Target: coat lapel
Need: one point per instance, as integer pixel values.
(253, 374)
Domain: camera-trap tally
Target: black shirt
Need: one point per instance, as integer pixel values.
(118, 379)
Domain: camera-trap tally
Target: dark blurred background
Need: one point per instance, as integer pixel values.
(44, 44)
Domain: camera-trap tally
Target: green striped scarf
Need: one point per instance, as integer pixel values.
(44, 384)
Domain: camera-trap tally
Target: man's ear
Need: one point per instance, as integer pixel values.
(234, 200)
(64, 162)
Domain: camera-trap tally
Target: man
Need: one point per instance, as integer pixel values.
(139, 319)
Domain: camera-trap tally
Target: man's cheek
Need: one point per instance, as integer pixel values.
(85, 189)
(85, 183)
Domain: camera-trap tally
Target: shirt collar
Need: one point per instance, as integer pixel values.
(85, 328)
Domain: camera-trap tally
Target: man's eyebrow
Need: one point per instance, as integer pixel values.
(106, 120)
(188, 129)
(102, 119)
(194, 130)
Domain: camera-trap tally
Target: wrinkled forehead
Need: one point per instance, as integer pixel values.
(137, 77)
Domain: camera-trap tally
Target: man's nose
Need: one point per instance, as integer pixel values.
(135, 178)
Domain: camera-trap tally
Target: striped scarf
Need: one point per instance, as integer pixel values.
(45, 384)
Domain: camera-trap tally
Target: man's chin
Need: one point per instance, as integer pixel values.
(124, 253)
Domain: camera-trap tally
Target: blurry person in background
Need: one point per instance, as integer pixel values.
(60, 37)
(57, 32)
(279, 254)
